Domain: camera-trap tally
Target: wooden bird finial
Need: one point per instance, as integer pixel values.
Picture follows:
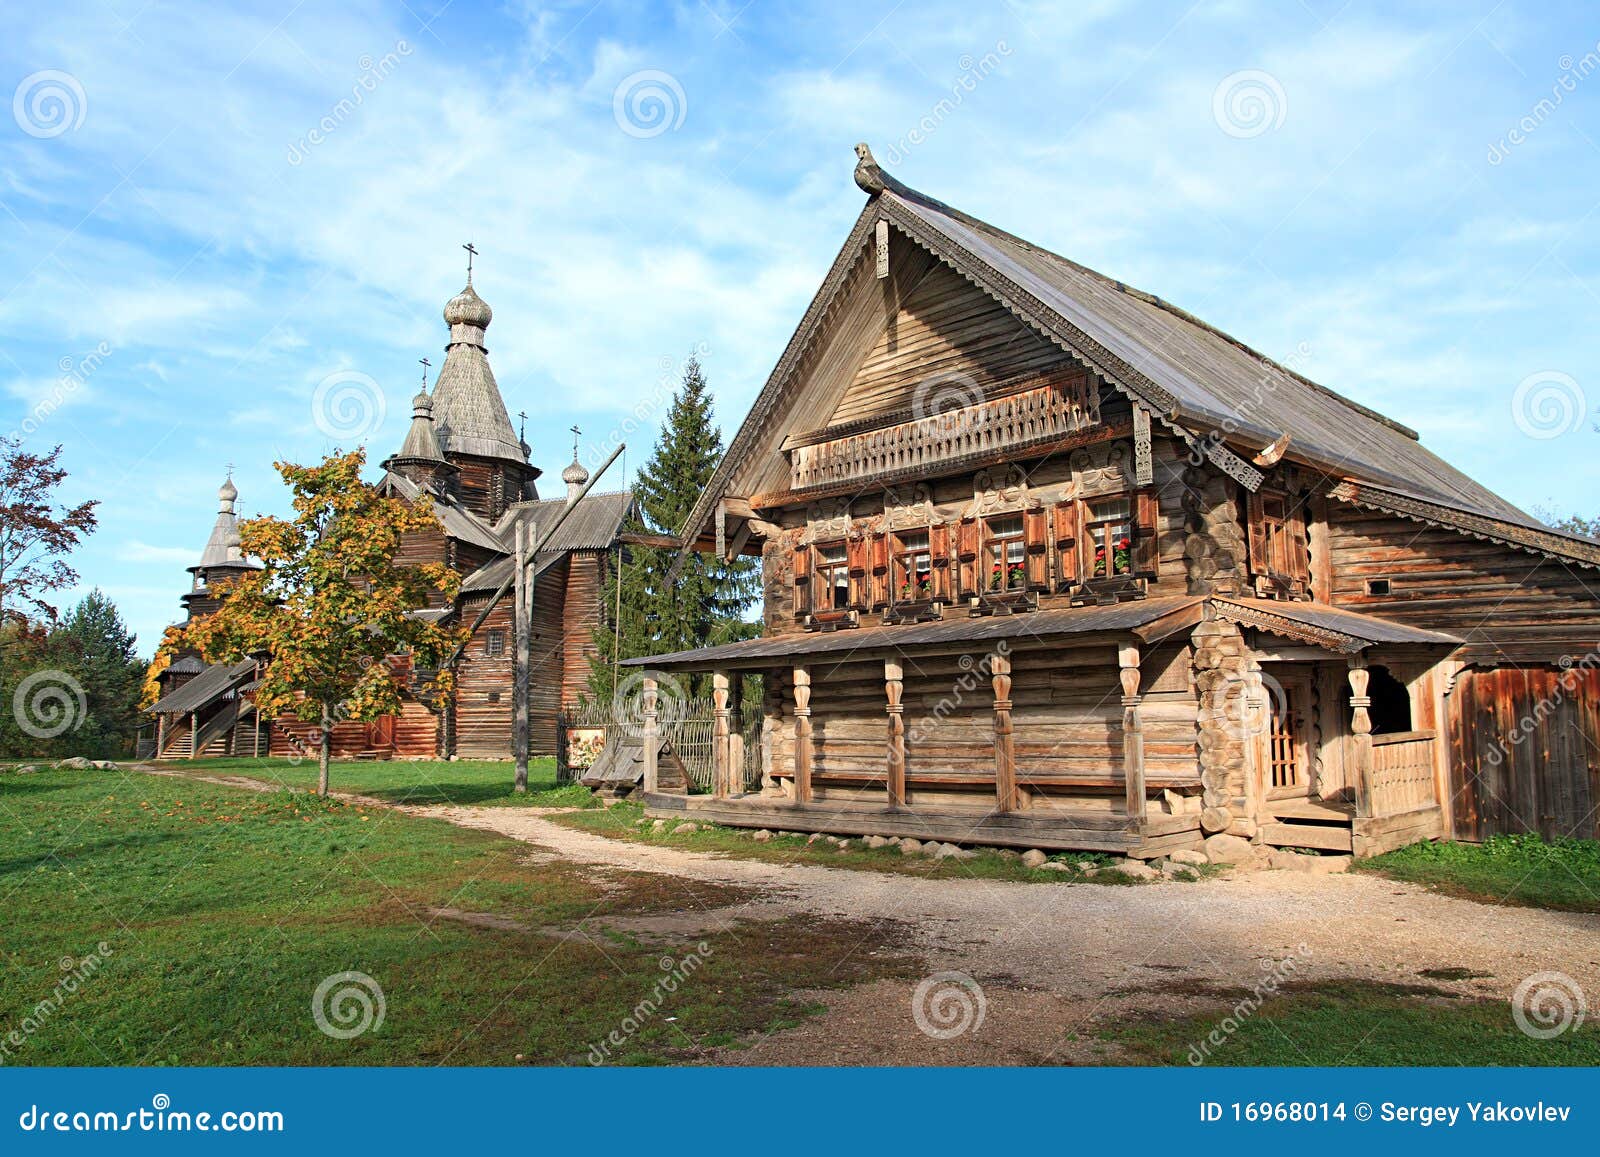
(868, 175)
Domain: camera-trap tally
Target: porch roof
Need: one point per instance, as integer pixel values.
(1338, 630)
(1119, 617)
(1322, 625)
(211, 684)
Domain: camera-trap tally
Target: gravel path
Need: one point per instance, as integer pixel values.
(1054, 960)
(1053, 957)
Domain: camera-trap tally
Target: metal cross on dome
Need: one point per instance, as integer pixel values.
(471, 253)
(576, 434)
(426, 366)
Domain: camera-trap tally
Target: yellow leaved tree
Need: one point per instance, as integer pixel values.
(330, 605)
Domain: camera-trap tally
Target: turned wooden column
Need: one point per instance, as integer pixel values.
(721, 730)
(1005, 752)
(194, 735)
(802, 735)
(1361, 735)
(1132, 731)
(650, 734)
(894, 690)
(736, 784)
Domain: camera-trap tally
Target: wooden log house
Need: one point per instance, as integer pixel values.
(461, 454)
(1051, 563)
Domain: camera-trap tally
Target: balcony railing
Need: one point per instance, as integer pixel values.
(1032, 416)
(1402, 773)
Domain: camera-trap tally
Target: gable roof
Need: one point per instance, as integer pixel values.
(1190, 375)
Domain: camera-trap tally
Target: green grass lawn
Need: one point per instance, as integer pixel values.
(478, 782)
(1519, 870)
(621, 821)
(1352, 1023)
(220, 911)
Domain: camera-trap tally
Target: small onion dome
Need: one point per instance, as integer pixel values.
(422, 405)
(467, 308)
(575, 475)
(226, 495)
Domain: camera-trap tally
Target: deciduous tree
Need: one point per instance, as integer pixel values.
(331, 605)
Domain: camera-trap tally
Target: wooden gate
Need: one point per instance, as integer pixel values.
(1525, 752)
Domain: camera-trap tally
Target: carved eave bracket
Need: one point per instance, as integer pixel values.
(1276, 624)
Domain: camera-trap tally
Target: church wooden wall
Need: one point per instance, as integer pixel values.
(1509, 605)
(582, 616)
(483, 703)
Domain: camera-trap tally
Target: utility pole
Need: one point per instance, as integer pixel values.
(522, 633)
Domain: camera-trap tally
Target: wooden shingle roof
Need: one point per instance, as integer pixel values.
(1197, 379)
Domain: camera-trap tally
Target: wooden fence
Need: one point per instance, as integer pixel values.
(688, 727)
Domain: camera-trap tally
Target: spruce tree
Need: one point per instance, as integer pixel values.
(705, 603)
(110, 671)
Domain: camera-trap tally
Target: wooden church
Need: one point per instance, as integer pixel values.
(461, 454)
(1050, 562)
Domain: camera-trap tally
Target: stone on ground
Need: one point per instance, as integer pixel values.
(1226, 849)
(1053, 866)
(685, 829)
(1138, 869)
(877, 842)
(1188, 856)
(910, 847)
(1033, 857)
(951, 852)
(75, 763)
(762, 835)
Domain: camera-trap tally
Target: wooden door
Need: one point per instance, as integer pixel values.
(1288, 755)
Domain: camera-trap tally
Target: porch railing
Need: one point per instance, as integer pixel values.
(1402, 778)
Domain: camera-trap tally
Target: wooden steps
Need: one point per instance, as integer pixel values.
(1323, 837)
(1316, 810)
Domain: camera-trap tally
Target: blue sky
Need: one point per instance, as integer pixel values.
(1400, 200)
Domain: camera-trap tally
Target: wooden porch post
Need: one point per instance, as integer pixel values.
(802, 735)
(194, 735)
(1132, 731)
(736, 722)
(721, 731)
(161, 734)
(894, 691)
(651, 736)
(1361, 735)
(1005, 752)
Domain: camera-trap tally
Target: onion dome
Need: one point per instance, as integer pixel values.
(467, 308)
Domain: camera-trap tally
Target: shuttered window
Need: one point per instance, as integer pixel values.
(832, 581)
(913, 566)
(1004, 554)
(1278, 538)
(803, 581)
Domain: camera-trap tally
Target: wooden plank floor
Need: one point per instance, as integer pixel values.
(1089, 831)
